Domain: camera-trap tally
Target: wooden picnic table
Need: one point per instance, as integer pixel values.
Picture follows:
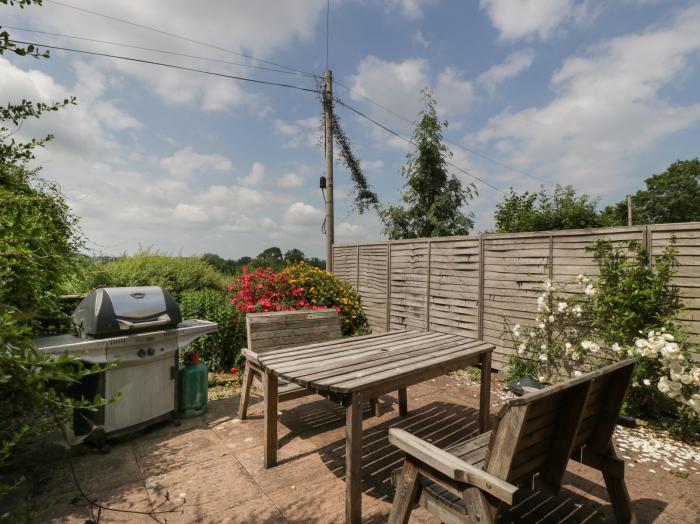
(354, 370)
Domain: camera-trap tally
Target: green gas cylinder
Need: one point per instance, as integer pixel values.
(193, 385)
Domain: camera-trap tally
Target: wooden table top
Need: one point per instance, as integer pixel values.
(354, 364)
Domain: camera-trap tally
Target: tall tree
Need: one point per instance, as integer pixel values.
(563, 209)
(294, 256)
(672, 196)
(433, 199)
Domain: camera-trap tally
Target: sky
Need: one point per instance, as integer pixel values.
(597, 94)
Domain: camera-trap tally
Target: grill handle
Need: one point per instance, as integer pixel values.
(160, 321)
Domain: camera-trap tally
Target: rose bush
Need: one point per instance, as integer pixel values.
(300, 286)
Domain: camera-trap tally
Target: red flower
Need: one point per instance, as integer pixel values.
(244, 269)
(337, 310)
(234, 370)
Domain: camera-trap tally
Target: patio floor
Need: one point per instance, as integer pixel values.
(209, 469)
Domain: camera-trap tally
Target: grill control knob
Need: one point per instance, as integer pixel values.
(141, 353)
(151, 352)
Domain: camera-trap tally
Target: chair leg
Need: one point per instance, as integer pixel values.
(245, 392)
(407, 490)
(403, 402)
(375, 407)
(479, 509)
(619, 496)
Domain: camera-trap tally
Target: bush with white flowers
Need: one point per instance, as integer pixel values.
(562, 341)
(680, 378)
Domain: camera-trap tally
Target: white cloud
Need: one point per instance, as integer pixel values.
(301, 214)
(347, 231)
(515, 19)
(419, 38)
(411, 9)
(301, 132)
(257, 28)
(514, 64)
(608, 110)
(255, 177)
(290, 181)
(372, 165)
(185, 162)
(397, 85)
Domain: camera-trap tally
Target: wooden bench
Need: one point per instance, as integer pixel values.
(531, 444)
(283, 329)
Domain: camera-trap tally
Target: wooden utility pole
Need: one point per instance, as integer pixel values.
(629, 210)
(330, 228)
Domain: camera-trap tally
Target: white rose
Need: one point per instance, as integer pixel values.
(669, 337)
(533, 334)
(543, 347)
(590, 290)
(551, 318)
(664, 385)
(561, 307)
(577, 373)
(646, 382)
(543, 357)
(541, 325)
(694, 402)
(686, 379)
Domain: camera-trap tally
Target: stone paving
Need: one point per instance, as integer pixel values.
(209, 469)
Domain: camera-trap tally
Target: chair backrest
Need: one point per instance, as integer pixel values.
(537, 433)
(283, 329)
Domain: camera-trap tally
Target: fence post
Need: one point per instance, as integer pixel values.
(427, 290)
(647, 244)
(388, 285)
(480, 313)
(551, 257)
(357, 270)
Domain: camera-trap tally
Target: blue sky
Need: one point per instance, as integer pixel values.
(595, 94)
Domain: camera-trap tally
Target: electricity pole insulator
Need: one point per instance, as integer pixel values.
(330, 228)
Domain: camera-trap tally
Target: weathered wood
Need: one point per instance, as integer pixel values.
(479, 508)
(403, 402)
(485, 392)
(407, 490)
(245, 391)
(270, 419)
(353, 460)
(451, 466)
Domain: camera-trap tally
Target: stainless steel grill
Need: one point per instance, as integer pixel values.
(141, 330)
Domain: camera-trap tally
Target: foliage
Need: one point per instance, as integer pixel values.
(672, 196)
(218, 350)
(563, 209)
(433, 199)
(39, 245)
(227, 267)
(294, 256)
(563, 340)
(33, 384)
(364, 196)
(634, 295)
(603, 323)
(151, 268)
(324, 289)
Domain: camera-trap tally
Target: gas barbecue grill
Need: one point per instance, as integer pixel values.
(139, 330)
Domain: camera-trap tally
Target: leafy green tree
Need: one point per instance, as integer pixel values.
(432, 200)
(294, 256)
(672, 196)
(271, 253)
(564, 209)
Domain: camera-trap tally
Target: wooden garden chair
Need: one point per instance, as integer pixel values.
(531, 444)
(283, 329)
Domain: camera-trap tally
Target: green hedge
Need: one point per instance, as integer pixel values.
(176, 274)
(221, 350)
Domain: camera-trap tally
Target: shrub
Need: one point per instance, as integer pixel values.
(219, 350)
(147, 268)
(322, 288)
(604, 323)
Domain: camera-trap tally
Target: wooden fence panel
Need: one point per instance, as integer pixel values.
(477, 285)
(373, 283)
(454, 286)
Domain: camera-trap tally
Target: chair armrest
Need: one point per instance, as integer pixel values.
(248, 353)
(451, 466)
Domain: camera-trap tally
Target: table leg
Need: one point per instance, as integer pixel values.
(270, 392)
(485, 393)
(403, 402)
(353, 460)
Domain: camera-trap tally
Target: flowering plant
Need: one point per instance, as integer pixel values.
(562, 341)
(679, 378)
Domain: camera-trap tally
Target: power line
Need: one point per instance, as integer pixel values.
(174, 53)
(162, 64)
(173, 35)
(465, 148)
(408, 140)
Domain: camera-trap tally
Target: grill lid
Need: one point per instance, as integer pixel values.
(122, 310)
